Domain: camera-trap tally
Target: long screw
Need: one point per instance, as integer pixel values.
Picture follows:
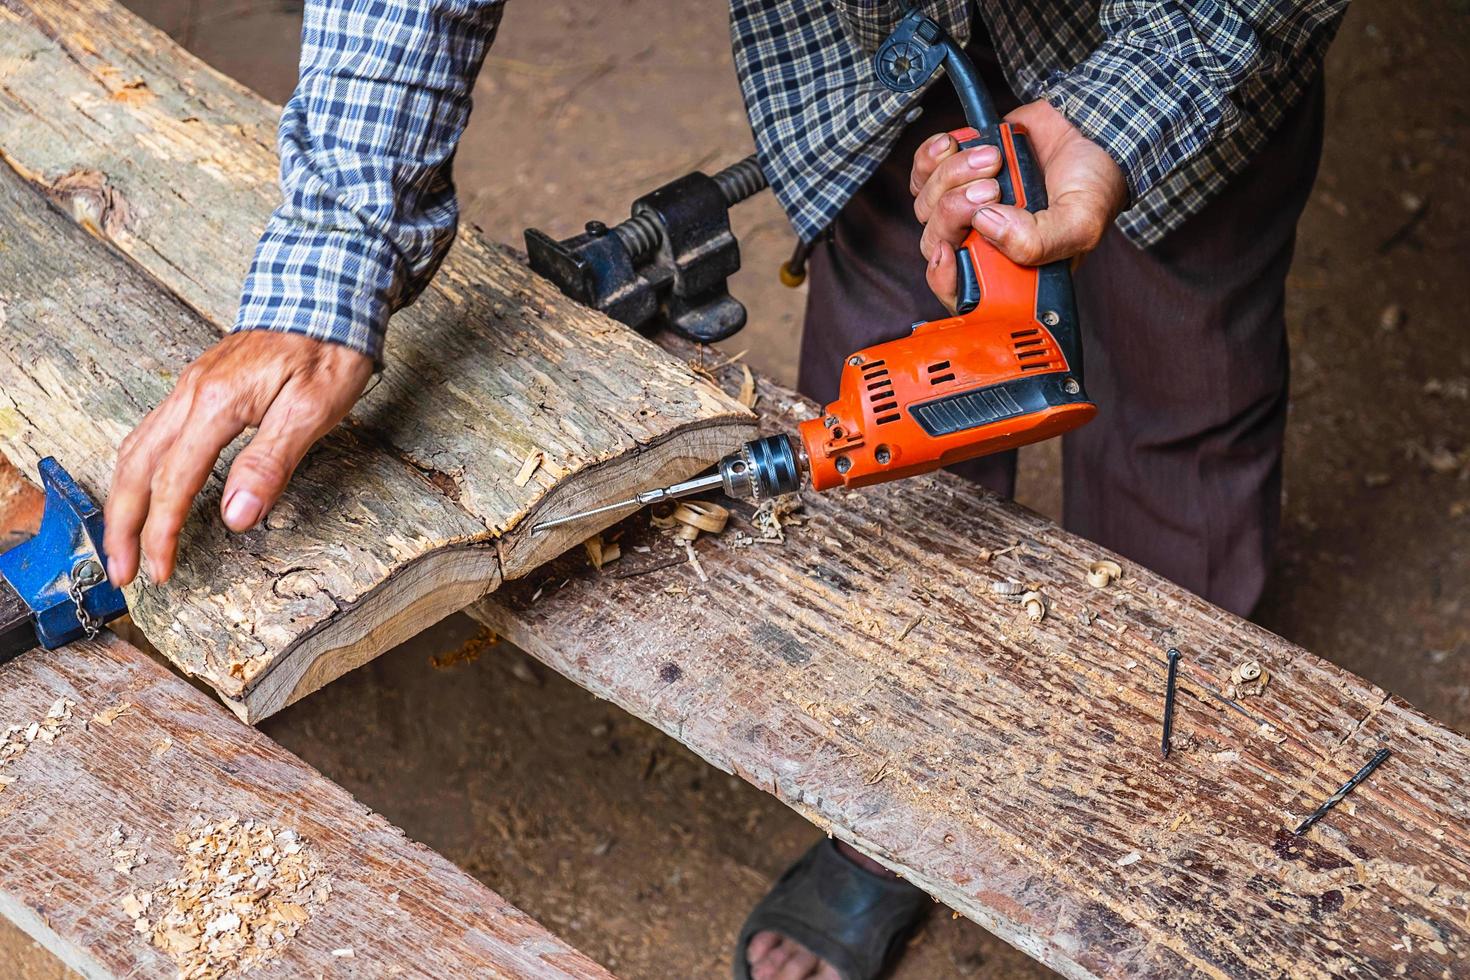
(1347, 788)
(642, 235)
(1169, 699)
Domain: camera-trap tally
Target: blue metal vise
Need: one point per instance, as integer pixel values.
(54, 587)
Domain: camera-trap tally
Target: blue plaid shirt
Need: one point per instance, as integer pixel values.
(1181, 93)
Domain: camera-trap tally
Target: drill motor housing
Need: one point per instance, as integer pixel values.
(1004, 371)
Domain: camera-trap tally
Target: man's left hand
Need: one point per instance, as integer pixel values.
(1085, 191)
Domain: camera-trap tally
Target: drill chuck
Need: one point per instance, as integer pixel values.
(762, 469)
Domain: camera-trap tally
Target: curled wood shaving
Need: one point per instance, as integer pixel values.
(1007, 587)
(747, 396)
(529, 466)
(1035, 604)
(694, 516)
(245, 889)
(1101, 574)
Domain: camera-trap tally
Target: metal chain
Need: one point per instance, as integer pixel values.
(87, 570)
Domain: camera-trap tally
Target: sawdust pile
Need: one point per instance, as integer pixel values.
(245, 890)
(18, 738)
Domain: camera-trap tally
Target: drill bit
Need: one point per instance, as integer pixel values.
(1169, 699)
(711, 481)
(762, 468)
(1347, 788)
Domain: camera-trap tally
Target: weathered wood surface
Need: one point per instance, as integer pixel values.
(864, 673)
(407, 515)
(173, 755)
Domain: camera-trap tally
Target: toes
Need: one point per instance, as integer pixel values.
(761, 944)
(802, 965)
(769, 966)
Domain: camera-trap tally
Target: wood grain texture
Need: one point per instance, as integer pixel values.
(173, 166)
(402, 909)
(864, 673)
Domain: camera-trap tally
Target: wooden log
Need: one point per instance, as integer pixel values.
(89, 826)
(409, 513)
(865, 673)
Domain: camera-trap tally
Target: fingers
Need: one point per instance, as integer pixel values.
(942, 275)
(300, 415)
(952, 219)
(295, 388)
(1071, 226)
(128, 502)
(956, 171)
(929, 155)
(218, 412)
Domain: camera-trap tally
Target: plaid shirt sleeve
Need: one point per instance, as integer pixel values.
(366, 143)
(1170, 75)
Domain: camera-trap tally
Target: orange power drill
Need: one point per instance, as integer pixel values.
(1004, 371)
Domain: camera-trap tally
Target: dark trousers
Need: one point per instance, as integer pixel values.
(1184, 350)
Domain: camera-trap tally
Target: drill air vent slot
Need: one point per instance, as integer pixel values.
(885, 419)
(939, 373)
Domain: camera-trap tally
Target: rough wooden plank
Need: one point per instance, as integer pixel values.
(173, 165)
(132, 781)
(865, 674)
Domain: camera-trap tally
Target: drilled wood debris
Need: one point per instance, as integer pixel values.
(222, 852)
(501, 398)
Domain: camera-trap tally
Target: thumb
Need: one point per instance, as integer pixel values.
(1068, 228)
(294, 422)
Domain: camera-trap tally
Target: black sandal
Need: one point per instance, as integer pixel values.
(852, 918)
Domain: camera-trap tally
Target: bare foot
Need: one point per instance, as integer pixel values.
(773, 956)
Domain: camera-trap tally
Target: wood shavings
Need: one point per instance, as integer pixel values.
(345, 953)
(910, 627)
(693, 516)
(1008, 587)
(1035, 605)
(773, 516)
(985, 554)
(747, 396)
(1268, 732)
(1132, 857)
(124, 859)
(17, 739)
(106, 717)
(601, 552)
(1101, 574)
(1248, 679)
(661, 516)
(694, 560)
(529, 467)
(244, 890)
(162, 745)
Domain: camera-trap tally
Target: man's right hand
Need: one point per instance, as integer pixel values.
(293, 388)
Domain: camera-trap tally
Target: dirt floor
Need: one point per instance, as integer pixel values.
(620, 839)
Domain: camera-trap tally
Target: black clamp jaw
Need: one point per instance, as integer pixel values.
(668, 265)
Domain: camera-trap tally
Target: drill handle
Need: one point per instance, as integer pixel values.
(1020, 183)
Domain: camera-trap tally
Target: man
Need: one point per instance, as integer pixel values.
(1178, 139)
